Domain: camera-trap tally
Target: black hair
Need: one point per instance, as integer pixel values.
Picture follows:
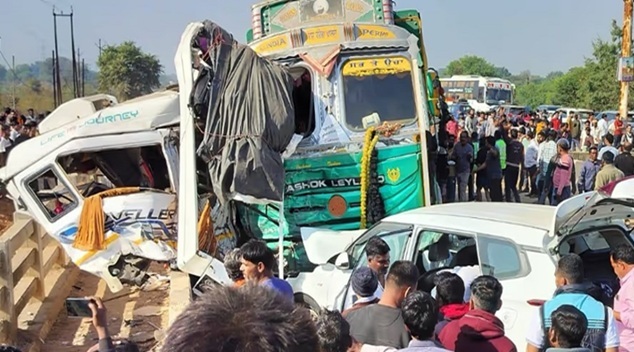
(569, 325)
(552, 134)
(570, 266)
(514, 134)
(333, 332)
(449, 288)
(530, 134)
(609, 138)
(490, 140)
(420, 314)
(403, 273)
(497, 135)
(542, 133)
(522, 130)
(256, 251)
(474, 136)
(251, 318)
(126, 346)
(592, 148)
(376, 246)
(7, 348)
(465, 133)
(623, 253)
(486, 293)
(628, 147)
(232, 264)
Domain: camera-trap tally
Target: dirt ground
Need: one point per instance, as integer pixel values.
(133, 314)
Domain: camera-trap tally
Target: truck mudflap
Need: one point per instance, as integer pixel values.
(137, 225)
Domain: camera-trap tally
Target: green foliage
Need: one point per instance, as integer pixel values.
(593, 85)
(472, 65)
(34, 84)
(127, 72)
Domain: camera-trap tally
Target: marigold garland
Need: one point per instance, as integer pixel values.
(369, 143)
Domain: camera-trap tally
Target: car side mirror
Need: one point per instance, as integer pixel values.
(343, 261)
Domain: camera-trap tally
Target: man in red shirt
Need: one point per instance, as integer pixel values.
(479, 329)
(618, 130)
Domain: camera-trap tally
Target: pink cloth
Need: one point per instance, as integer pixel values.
(562, 174)
(452, 128)
(624, 304)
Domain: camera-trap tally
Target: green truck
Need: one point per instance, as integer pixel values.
(361, 75)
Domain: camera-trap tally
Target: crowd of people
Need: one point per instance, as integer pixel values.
(390, 313)
(496, 156)
(15, 128)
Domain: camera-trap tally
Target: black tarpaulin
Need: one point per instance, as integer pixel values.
(247, 104)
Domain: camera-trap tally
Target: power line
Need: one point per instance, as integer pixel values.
(12, 69)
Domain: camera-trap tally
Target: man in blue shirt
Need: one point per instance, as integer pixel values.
(589, 171)
(258, 261)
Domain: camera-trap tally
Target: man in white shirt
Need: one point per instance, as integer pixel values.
(608, 140)
(491, 128)
(602, 126)
(530, 161)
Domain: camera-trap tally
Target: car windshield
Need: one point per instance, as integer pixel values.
(395, 235)
(381, 86)
(495, 94)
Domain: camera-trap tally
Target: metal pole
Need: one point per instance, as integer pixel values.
(626, 51)
(78, 68)
(83, 78)
(72, 44)
(54, 80)
(13, 70)
(57, 74)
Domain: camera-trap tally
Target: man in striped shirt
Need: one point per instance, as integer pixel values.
(547, 150)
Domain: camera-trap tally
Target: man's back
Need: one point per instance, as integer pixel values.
(477, 330)
(607, 174)
(379, 325)
(625, 163)
(279, 285)
(601, 329)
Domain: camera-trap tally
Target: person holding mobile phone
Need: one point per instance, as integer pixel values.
(100, 322)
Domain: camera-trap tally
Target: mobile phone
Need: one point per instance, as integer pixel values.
(78, 307)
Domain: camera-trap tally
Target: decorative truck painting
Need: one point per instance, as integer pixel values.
(177, 176)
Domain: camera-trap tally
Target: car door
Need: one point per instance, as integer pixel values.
(396, 235)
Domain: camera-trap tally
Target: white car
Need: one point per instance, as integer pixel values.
(517, 243)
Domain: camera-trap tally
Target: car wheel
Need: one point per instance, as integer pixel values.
(309, 303)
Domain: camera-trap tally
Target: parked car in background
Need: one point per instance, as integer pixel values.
(519, 244)
(583, 114)
(550, 109)
(513, 111)
(461, 107)
(611, 114)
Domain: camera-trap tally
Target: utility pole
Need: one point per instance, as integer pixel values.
(83, 78)
(13, 70)
(100, 47)
(626, 51)
(53, 71)
(58, 84)
(78, 69)
(72, 44)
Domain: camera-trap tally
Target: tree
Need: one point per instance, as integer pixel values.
(502, 72)
(128, 72)
(471, 65)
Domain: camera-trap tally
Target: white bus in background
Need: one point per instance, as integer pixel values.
(482, 93)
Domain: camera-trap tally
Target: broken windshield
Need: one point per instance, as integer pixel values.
(381, 86)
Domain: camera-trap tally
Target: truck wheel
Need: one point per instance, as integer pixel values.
(307, 302)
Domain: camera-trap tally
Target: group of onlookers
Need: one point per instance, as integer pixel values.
(496, 156)
(15, 128)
